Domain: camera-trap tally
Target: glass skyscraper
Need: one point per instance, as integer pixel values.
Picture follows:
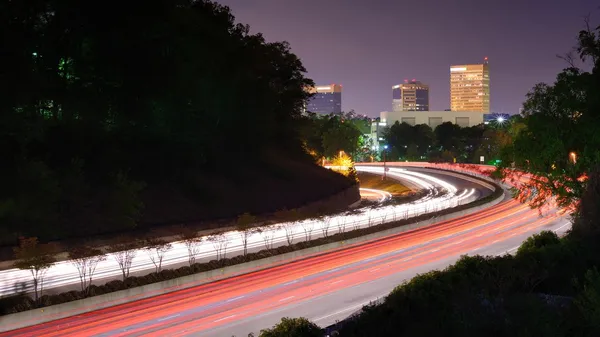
(326, 99)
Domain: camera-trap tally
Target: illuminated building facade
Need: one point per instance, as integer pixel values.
(326, 99)
(410, 96)
(470, 87)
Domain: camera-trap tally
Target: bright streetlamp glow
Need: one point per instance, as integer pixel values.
(500, 120)
(573, 157)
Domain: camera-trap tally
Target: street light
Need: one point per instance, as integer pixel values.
(573, 157)
(384, 167)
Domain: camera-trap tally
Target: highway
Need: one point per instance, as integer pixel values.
(324, 288)
(63, 276)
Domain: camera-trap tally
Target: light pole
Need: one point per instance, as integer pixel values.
(384, 167)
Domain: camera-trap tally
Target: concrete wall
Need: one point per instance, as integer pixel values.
(47, 314)
(432, 118)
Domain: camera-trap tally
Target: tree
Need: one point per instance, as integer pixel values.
(85, 259)
(268, 234)
(157, 248)
(293, 327)
(492, 143)
(588, 301)
(288, 219)
(192, 242)
(37, 258)
(537, 241)
(124, 249)
(308, 226)
(559, 142)
(340, 136)
(244, 227)
(412, 152)
(423, 138)
(399, 136)
(290, 229)
(343, 164)
(323, 216)
(448, 137)
(77, 94)
(220, 241)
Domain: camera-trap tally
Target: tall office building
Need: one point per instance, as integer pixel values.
(410, 96)
(470, 87)
(326, 99)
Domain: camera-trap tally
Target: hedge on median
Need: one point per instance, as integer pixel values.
(23, 302)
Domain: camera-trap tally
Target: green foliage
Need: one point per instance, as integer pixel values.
(84, 128)
(585, 223)
(588, 304)
(537, 241)
(327, 135)
(560, 120)
(447, 142)
(293, 327)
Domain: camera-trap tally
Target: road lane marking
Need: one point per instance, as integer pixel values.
(291, 282)
(287, 298)
(374, 270)
(561, 227)
(236, 298)
(168, 317)
(336, 282)
(224, 318)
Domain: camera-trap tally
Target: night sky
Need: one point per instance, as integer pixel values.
(368, 46)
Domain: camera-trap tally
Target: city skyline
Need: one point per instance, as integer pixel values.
(363, 45)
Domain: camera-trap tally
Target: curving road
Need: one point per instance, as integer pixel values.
(64, 276)
(323, 288)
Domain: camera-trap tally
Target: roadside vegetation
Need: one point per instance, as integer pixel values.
(38, 257)
(105, 133)
(551, 286)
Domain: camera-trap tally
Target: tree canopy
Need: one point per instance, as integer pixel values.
(558, 140)
(97, 103)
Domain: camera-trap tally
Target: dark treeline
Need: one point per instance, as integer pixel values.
(448, 141)
(101, 101)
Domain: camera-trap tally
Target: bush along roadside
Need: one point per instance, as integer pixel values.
(23, 302)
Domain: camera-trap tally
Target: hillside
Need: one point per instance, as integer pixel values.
(188, 117)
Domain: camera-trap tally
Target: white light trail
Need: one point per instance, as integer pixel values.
(64, 273)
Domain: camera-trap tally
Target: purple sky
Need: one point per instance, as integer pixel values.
(368, 46)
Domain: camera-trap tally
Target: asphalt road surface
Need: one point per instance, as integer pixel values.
(63, 276)
(324, 289)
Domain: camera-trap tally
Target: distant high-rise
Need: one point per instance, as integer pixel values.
(470, 87)
(326, 99)
(410, 96)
